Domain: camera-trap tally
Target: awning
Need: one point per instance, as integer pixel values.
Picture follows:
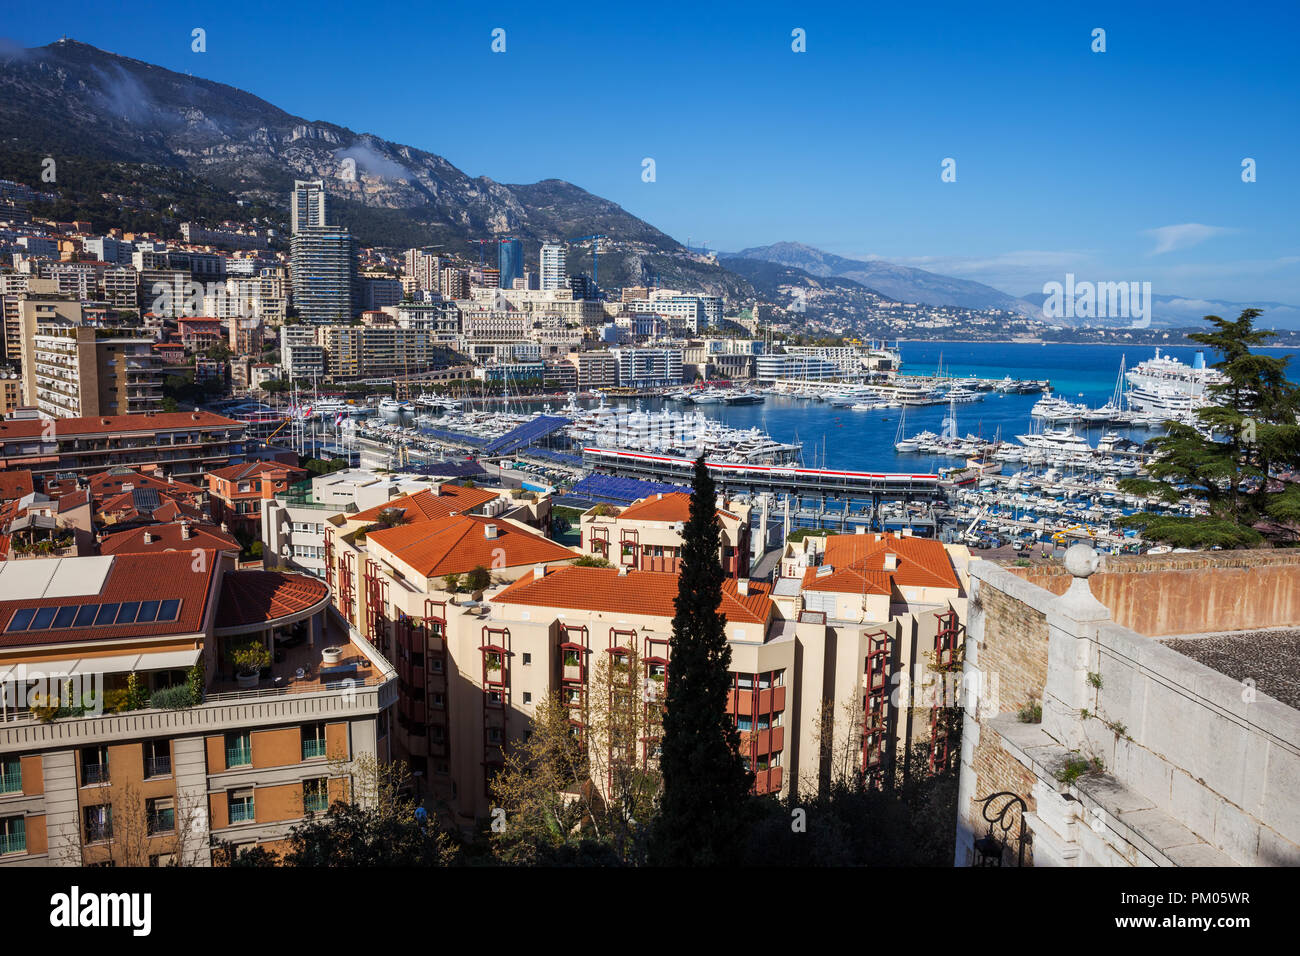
(122, 664)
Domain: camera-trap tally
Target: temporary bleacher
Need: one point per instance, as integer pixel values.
(525, 434)
(619, 491)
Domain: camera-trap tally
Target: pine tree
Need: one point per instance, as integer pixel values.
(705, 783)
(1245, 467)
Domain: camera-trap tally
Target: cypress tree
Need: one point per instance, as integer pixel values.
(705, 783)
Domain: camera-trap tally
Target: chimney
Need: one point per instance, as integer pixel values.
(186, 531)
(539, 571)
(148, 537)
(489, 531)
(861, 529)
(622, 570)
(659, 497)
(742, 586)
(891, 561)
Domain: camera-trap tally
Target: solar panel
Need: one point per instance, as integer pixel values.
(43, 618)
(148, 612)
(106, 614)
(169, 610)
(86, 615)
(21, 619)
(65, 616)
(146, 499)
(127, 614)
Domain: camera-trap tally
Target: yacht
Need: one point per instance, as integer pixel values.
(391, 410)
(1056, 440)
(743, 398)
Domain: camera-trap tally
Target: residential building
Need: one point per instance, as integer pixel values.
(308, 206)
(554, 269)
(648, 367)
(175, 778)
(510, 262)
(647, 535)
(324, 268)
(74, 371)
(236, 492)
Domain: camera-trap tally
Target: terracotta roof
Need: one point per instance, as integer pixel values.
(857, 563)
(458, 543)
(115, 424)
(15, 484)
(73, 500)
(146, 503)
(674, 506)
(256, 597)
(426, 505)
(168, 537)
(132, 577)
(652, 593)
(108, 483)
(255, 469)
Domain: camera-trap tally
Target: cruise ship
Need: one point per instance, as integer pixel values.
(1165, 387)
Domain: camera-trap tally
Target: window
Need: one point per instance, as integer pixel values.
(162, 859)
(240, 805)
(157, 758)
(313, 741)
(11, 775)
(528, 658)
(435, 665)
(13, 835)
(528, 697)
(160, 814)
(239, 750)
(494, 735)
(94, 766)
(315, 795)
(438, 701)
(99, 823)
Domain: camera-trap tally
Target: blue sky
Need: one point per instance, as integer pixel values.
(1117, 165)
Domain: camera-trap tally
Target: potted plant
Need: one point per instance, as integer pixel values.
(570, 658)
(249, 661)
(331, 655)
(493, 662)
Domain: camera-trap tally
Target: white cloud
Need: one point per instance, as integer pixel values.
(1183, 236)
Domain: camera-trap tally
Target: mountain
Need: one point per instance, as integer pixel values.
(69, 99)
(901, 283)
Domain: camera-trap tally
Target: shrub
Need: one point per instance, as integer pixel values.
(1031, 713)
(172, 698)
(591, 561)
(137, 697)
(250, 658)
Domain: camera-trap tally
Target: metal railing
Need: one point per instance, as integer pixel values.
(99, 832)
(241, 812)
(158, 767)
(312, 749)
(94, 773)
(315, 802)
(11, 781)
(162, 821)
(13, 843)
(239, 756)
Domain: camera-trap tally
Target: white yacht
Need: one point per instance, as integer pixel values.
(1056, 440)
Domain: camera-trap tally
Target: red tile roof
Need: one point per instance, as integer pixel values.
(674, 506)
(458, 543)
(857, 563)
(257, 597)
(652, 593)
(15, 484)
(109, 483)
(168, 537)
(132, 577)
(427, 505)
(257, 469)
(124, 508)
(115, 424)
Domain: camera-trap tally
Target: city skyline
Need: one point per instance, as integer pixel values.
(801, 155)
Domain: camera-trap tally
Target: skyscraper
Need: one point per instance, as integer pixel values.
(510, 260)
(325, 288)
(310, 205)
(554, 266)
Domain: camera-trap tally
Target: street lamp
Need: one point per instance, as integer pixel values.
(991, 847)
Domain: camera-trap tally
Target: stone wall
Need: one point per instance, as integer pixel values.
(1190, 593)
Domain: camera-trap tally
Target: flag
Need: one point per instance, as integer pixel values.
(338, 419)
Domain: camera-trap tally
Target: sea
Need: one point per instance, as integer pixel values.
(864, 441)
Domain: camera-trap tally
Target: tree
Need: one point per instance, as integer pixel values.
(451, 583)
(1238, 455)
(477, 578)
(704, 778)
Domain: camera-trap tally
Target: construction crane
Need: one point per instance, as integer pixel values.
(481, 243)
(595, 250)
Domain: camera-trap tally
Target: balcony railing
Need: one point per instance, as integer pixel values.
(158, 767)
(98, 832)
(162, 821)
(94, 773)
(312, 749)
(13, 843)
(11, 781)
(241, 812)
(238, 756)
(316, 802)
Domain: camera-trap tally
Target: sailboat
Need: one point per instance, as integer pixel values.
(902, 444)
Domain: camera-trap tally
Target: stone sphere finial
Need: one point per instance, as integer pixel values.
(1081, 561)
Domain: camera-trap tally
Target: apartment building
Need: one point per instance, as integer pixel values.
(648, 367)
(647, 535)
(185, 445)
(596, 369)
(324, 268)
(309, 205)
(165, 781)
(236, 492)
(354, 351)
(74, 371)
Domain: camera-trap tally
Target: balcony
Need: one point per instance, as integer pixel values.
(163, 821)
(312, 749)
(13, 843)
(316, 802)
(158, 767)
(239, 757)
(99, 832)
(94, 773)
(241, 812)
(11, 781)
